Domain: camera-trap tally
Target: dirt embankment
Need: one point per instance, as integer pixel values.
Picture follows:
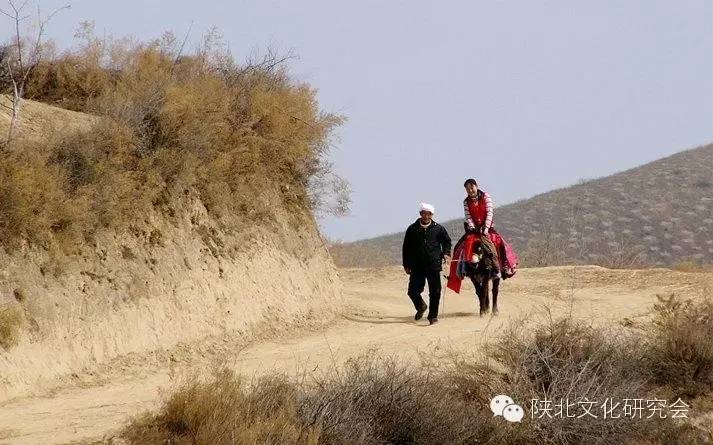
(166, 281)
(142, 292)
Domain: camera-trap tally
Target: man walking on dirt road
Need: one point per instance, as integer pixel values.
(426, 246)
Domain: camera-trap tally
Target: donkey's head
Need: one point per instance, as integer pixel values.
(477, 254)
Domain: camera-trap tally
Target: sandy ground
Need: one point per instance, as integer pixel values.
(380, 316)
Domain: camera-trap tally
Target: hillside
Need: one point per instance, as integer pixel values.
(660, 213)
(149, 218)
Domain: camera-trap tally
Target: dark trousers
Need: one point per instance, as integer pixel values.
(416, 284)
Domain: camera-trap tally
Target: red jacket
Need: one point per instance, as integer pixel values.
(479, 210)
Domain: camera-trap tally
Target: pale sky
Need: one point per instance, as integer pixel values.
(525, 96)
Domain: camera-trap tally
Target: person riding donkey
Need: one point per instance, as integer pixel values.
(426, 245)
(479, 219)
(481, 253)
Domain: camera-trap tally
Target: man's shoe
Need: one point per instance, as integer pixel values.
(432, 321)
(420, 312)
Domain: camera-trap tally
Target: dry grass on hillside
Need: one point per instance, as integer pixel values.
(12, 322)
(376, 399)
(247, 138)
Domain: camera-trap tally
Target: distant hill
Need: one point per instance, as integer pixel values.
(660, 213)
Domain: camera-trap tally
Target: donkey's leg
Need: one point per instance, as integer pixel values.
(479, 293)
(486, 293)
(482, 291)
(496, 290)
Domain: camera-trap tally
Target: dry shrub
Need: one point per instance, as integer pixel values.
(35, 205)
(70, 82)
(248, 139)
(377, 400)
(225, 410)
(680, 351)
(57, 192)
(373, 400)
(564, 359)
(73, 79)
(101, 166)
(12, 321)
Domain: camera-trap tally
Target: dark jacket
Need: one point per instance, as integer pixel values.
(424, 249)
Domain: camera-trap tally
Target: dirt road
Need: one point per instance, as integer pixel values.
(96, 404)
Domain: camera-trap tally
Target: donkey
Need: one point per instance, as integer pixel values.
(481, 274)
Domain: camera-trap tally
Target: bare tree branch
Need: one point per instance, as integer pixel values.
(55, 12)
(37, 50)
(183, 44)
(19, 69)
(24, 4)
(17, 9)
(268, 62)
